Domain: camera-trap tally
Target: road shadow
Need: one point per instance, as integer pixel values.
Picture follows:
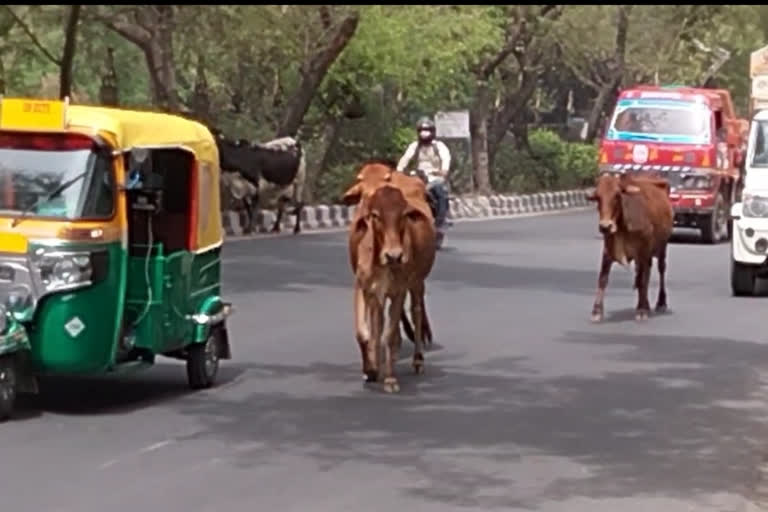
(676, 417)
(117, 394)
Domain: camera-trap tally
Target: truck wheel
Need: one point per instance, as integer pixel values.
(715, 227)
(203, 362)
(8, 386)
(743, 279)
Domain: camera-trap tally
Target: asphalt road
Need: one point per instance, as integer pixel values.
(525, 405)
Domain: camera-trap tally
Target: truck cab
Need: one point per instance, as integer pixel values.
(688, 136)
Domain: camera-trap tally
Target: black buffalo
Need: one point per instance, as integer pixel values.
(276, 170)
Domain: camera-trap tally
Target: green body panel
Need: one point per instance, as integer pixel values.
(210, 305)
(15, 338)
(182, 283)
(99, 307)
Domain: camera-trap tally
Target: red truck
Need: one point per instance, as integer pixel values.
(689, 136)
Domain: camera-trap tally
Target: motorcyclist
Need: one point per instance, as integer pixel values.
(434, 159)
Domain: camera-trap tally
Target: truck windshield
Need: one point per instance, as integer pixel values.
(34, 166)
(679, 122)
(760, 154)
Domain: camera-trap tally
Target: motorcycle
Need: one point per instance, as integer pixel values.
(432, 201)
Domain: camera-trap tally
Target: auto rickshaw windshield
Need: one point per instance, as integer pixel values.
(33, 166)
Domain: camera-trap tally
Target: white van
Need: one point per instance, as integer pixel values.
(749, 243)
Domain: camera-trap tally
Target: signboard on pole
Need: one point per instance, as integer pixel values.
(452, 125)
(758, 62)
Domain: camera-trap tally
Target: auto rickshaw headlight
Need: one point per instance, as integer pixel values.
(64, 270)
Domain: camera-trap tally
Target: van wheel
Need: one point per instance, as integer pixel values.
(743, 279)
(203, 362)
(8, 386)
(715, 227)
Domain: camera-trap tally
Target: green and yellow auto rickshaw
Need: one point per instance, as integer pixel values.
(110, 244)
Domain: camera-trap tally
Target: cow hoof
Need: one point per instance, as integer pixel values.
(371, 376)
(391, 385)
(661, 308)
(597, 318)
(418, 364)
(641, 316)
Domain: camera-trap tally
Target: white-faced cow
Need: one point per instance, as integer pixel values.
(276, 170)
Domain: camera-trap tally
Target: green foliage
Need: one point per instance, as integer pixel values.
(552, 164)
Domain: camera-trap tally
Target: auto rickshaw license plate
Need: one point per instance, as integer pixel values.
(23, 114)
(14, 243)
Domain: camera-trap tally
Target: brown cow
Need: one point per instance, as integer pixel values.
(391, 249)
(636, 223)
(378, 172)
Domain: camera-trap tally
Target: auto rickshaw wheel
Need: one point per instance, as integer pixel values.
(8, 385)
(203, 362)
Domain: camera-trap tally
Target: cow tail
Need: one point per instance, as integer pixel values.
(407, 327)
(426, 329)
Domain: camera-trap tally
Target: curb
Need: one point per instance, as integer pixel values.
(318, 217)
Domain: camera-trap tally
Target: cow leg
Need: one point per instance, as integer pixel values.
(417, 314)
(425, 326)
(248, 229)
(643, 275)
(602, 283)
(363, 334)
(279, 217)
(297, 211)
(376, 324)
(661, 262)
(392, 343)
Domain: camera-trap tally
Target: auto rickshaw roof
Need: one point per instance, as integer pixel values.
(130, 128)
(133, 128)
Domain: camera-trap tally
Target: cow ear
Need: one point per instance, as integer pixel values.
(634, 211)
(352, 195)
(413, 213)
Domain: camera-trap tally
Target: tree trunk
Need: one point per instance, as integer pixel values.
(2, 77)
(160, 60)
(593, 128)
(478, 130)
(513, 106)
(68, 55)
(328, 140)
(312, 74)
(619, 59)
(153, 35)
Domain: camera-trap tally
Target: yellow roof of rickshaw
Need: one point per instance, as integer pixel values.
(133, 128)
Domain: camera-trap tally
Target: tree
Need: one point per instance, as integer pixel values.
(316, 65)
(66, 60)
(517, 35)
